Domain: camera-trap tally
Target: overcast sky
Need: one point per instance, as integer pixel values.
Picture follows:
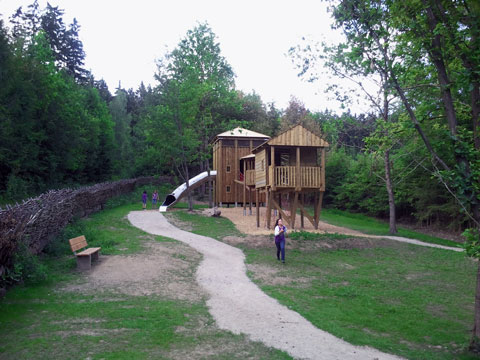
(122, 39)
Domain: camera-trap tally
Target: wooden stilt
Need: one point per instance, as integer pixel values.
(280, 204)
(250, 201)
(258, 209)
(302, 201)
(281, 213)
(293, 208)
(317, 207)
(307, 215)
(269, 208)
(244, 195)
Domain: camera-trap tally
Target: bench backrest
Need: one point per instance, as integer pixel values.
(78, 243)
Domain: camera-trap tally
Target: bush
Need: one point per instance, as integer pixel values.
(27, 267)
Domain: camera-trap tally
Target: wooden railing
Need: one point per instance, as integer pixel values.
(311, 176)
(250, 177)
(285, 176)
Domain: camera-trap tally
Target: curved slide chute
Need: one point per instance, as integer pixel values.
(180, 191)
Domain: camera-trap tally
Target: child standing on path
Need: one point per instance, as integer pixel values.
(280, 231)
(154, 199)
(144, 200)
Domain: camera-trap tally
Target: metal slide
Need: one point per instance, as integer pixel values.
(181, 191)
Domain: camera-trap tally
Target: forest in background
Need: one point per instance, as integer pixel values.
(61, 127)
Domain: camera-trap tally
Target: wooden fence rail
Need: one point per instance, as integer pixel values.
(285, 176)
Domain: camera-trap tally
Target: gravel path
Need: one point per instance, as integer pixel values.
(238, 305)
(416, 242)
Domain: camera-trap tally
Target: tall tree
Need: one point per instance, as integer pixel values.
(197, 73)
(435, 52)
(123, 158)
(64, 43)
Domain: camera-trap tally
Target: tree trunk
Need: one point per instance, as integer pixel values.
(189, 193)
(203, 187)
(391, 196)
(210, 182)
(475, 341)
(476, 114)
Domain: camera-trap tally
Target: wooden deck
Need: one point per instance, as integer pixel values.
(286, 177)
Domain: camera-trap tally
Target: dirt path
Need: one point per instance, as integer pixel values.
(240, 306)
(247, 225)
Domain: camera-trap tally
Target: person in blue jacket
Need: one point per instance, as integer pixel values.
(144, 200)
(280, 232)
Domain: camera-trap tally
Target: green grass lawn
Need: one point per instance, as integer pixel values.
(214, 227)
(413, 301)
(372, 226)
(43, 320)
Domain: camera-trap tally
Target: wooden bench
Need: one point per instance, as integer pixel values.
(85, 257)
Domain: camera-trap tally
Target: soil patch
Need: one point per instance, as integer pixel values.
(164, 269)
(323, 243)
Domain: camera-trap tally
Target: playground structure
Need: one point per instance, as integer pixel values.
(229, 148)
(290, 165)
(181, 191)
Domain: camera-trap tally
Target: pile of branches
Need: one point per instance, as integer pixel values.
(37, 221)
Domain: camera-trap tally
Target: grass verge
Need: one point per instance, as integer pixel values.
(214, 227)
(372, 226)
(409, 300)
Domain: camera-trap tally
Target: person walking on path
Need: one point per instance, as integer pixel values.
(280, 231)
(144, 200)
(154, 199)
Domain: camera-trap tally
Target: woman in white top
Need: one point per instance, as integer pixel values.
(280, 231)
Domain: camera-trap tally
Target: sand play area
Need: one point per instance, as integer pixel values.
(248, 224)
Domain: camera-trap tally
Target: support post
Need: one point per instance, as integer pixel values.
(258, 209)
(318, 207)
(322, 172)
(302, 202)
(235, 176)
(244, 189)
(293, 209)
(280, 204)
(298, 183)
(272, 167)
(269, 208)
(285, 218)
(220, 172)
(250, 201)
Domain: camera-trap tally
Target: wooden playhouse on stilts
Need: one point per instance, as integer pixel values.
(280, 172)
(230, 150)
(291, 165)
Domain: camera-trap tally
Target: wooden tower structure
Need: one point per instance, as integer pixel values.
(291, 163)
(229, 148)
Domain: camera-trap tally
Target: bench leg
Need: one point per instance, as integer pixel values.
(84, 262)
(95, 256)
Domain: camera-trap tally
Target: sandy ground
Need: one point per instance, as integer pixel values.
(248, 225)
(240, 306)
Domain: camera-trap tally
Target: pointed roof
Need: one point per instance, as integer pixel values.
(240, 132)
(296, 136)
